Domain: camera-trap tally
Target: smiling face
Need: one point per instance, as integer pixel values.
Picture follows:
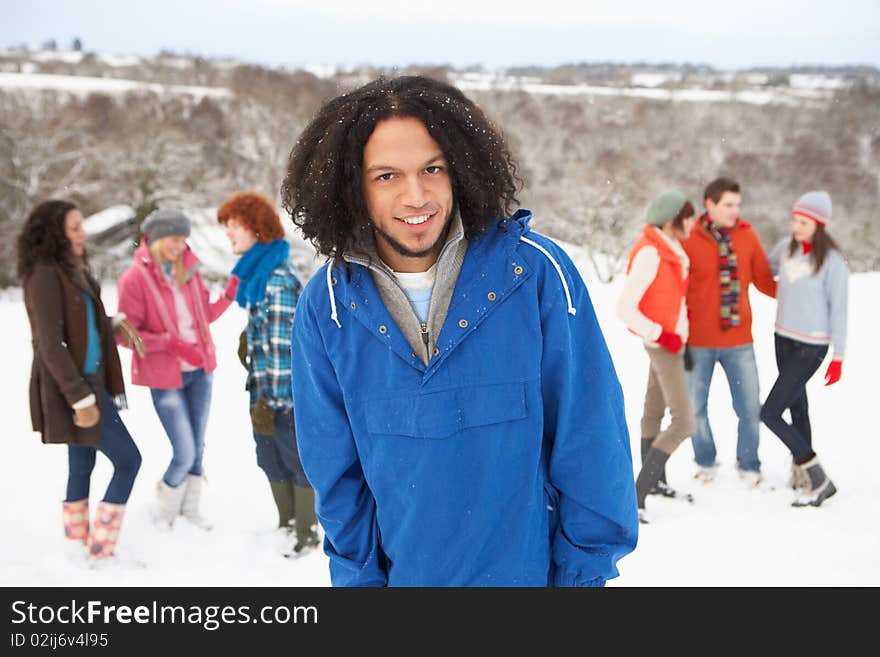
(170, 248)
(725, 212)
(802, 228)
(408, 193)
(75, 233)
(240, 236)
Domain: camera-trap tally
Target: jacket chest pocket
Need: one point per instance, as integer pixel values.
(438, 415)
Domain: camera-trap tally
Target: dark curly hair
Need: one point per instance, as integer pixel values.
(42, 238)
(322, 190)
(256, 212)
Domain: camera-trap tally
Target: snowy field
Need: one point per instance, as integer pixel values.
(730, 535)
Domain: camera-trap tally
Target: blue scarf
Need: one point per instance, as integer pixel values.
(254, 268)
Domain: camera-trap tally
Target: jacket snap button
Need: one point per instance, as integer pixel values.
(436, 351)
(382, 329)
(353, 305)
(517, 270)
(491, 296)
(462, 323)
(333, 281)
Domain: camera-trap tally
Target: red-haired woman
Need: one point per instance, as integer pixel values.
(270, 290)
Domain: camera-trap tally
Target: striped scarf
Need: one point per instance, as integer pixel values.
(728, 274)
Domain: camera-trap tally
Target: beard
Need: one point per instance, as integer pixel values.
(401, 249)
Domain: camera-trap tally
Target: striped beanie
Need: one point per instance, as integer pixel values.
(814, 205)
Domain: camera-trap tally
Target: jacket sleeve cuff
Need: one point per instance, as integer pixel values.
(570, 579)
(85, 402)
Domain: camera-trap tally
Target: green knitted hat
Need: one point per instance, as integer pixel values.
(664, 207)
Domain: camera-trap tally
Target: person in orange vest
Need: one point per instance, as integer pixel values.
(726, 257)
(653, 306)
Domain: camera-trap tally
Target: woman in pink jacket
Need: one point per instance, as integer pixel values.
(165, 298)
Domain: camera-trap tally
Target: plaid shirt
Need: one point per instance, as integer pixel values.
(268, 339)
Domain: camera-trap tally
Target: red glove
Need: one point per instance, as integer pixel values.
(832, 374)
(188, 351)
(231, 288)
(671, 342)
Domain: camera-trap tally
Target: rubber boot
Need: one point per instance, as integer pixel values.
(105, 530)
(284, 494)
(75, 516)
(662, 487)
(649, 475)
(306, 522)
(189, 507)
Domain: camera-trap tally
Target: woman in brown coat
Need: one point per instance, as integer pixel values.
(76, 381)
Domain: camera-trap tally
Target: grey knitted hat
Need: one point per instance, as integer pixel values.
(814, 205)
(665, 207)
(164, 222)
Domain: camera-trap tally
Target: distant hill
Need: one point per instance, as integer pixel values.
(594, 141)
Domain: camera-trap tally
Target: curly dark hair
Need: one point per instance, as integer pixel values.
(42, 238)
(322, 190)
(256, 212)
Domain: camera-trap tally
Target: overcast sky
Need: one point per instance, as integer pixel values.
(732, 34)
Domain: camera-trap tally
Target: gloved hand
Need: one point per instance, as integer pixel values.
(130, 337)
(832, 374)
(86, 417)
(242, 349)
(188, 351)
(671, 342)
(231, 287)
(688, 359)
(263, 418)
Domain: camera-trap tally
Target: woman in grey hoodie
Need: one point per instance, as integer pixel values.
(811, 316)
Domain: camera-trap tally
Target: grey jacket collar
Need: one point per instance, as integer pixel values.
(421, 337)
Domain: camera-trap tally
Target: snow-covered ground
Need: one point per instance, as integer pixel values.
(730, 535)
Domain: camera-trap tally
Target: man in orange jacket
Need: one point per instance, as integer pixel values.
(726, 256)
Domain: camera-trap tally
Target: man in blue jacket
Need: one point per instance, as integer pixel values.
(457, 410)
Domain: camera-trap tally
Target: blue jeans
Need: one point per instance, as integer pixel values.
(116, 444)
(184, 415)
(797, 362)
(742, 377)
(277, 455)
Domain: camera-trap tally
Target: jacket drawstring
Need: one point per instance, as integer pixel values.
(571, 309)
(333, 314)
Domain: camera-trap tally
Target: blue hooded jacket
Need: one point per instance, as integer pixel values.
(504, 462)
